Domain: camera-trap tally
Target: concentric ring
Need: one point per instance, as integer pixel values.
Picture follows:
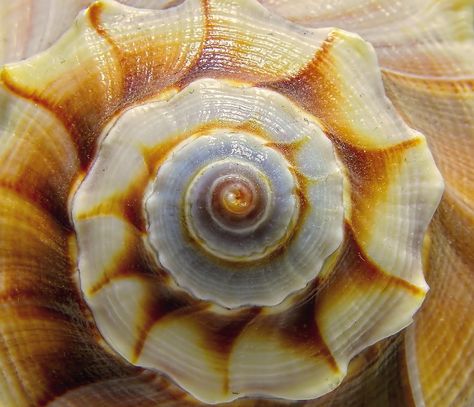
(240, 233)
(202, 255)
(170, 239)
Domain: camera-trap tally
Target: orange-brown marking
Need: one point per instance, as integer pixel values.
(154, 156)
(84, 127)
(354, 267)
(126, 204)
(133, 261)
(215, 55)
(370, 174)
(143, 71)
(225, 53)
(94, 12)
(288, 150)
(44, 196)
(133, 209)
(129, 204)
(160, 301)
(313, 89)
(40, 300)
(222, 332)
(297, 325)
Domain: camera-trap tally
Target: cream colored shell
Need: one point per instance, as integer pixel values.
(91, 131)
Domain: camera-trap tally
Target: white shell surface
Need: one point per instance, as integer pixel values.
(385, 179)
(154, 125)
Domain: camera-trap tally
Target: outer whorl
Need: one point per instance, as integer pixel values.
(216, 200)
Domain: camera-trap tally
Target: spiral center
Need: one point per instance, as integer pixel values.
(234, 198)
(237, 197)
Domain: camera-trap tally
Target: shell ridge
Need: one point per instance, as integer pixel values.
(257, 79)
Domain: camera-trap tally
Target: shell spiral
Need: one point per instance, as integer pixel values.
(206, 203)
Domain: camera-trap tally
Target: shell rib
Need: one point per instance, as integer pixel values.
(117, 103)
(429, 77)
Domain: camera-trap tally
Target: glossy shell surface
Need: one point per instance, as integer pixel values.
(218, 201)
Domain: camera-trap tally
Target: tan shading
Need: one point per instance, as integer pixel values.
(160, 299)
(194, 346)
(119, 188)
(81, 84)
(134, 302)
(288, 343)
(386, 221)
(375, 377)
(444, 110)
(31, 26)
(41, 164)
(340, 83)
(253, 47)
(361, 302)
(368, 147)
(430, 59)
(417, 36)
(179, 346)
(118, 250)
(444, 329)
(47, 345)
(290, 83)
(155, 49)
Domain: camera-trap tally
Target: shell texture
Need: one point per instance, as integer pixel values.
(226, 201)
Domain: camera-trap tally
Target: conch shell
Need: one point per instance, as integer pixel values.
(217, 201)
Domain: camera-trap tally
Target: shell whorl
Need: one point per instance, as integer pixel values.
(248, 209)
(258, 258)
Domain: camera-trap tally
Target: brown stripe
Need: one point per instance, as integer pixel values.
(83, 138)
(45, 197)
(162, 301)
(142, 72)
(370, 175)
(94, 12)
(371, 171)
(222, 332)
(311, 88)
(363, 271)
(155, 155)
(133, 261)
(201, 67)
(297, 327)
(127, 205)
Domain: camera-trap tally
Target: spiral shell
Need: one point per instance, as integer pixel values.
(214, 193)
